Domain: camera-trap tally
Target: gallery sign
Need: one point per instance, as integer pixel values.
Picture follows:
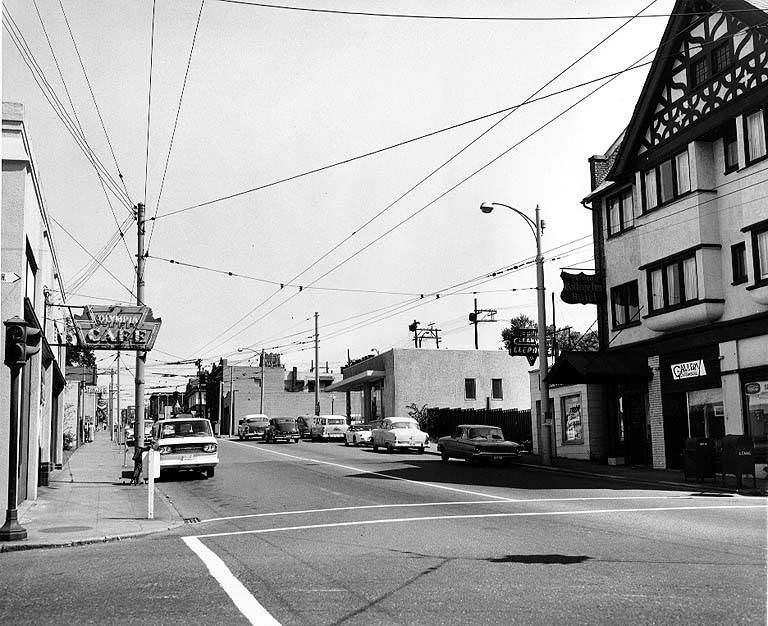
(689, 369)
(114, 327)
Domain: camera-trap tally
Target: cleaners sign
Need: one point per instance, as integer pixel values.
(689, 369)
(116, 327)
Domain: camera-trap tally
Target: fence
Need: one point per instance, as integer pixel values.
(515, 423)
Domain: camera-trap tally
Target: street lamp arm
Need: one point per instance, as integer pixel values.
(531, 224)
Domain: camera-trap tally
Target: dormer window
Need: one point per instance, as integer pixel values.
(710, 62)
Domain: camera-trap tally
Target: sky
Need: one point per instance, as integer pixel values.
(266, 94)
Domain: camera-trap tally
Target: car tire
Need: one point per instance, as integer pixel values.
(444, 456)
(388, 448)
(420, 450)
(210, 472)
(375, 448)
(346, 441)
(355, 441)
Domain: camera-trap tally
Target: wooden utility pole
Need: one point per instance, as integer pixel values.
(141, 357)
(317, 368)
(261, 386)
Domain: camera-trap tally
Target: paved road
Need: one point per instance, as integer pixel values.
(317, 533)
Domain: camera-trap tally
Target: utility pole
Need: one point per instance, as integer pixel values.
(121, 426)
(317, 368)
(111, 419)
(261, 390)
(474, 318)
(141, 357)
(231, 398)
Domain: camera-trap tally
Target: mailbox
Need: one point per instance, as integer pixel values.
(699, 458)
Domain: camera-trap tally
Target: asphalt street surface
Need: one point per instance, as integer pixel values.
(318, 533)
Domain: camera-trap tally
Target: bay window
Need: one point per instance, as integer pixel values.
(667, 181)
(625, 305)
(755, 140)
(673, 283)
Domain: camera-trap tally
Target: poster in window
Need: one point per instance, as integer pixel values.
(572, 420)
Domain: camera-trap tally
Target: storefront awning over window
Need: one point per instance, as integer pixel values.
(356, 382)
(598, 367)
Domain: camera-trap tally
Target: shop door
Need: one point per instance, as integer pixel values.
(675, 407)
(636, 429)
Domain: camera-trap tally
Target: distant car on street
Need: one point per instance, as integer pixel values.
(186, 443)
(399, 433)
(282, 429)
(304, 424)
(358, 435)
(477, 442)
(253, 427)
(328, 427)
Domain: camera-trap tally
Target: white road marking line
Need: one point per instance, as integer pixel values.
(401, 520)
(362, 471)
(240, 596)
(362, 507)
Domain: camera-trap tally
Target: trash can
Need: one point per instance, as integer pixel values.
(738, 458)
(699, 458)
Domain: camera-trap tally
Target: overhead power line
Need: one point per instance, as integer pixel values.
(473, 18)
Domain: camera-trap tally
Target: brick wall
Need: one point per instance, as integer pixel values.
(656, 415)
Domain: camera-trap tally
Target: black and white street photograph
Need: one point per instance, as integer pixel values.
(368, 312)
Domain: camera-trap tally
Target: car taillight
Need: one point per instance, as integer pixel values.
(210, 447)
(164, 449)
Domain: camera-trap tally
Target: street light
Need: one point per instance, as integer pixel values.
(537, 227)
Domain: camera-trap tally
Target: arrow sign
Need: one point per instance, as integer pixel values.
(9, 277)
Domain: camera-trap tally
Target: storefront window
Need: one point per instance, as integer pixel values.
(572, 420)
(706, 414)
(756, 394)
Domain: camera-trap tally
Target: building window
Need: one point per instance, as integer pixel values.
(673, 283)
(573, 428)
(621, 212)
(739, 262)
(706, 414)
(667, 181)
(731, 148)
(496, 391)
(721, 57)
(756, 399)
(699, 73)
(625, 305)
(470, 393)
(760, 253)
(754, 131)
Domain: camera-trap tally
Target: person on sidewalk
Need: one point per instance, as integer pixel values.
(138, 464)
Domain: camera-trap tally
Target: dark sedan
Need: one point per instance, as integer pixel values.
(477, 442)
(282, 429)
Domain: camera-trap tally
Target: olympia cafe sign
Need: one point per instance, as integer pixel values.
(114, 327)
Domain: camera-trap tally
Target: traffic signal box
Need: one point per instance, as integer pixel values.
(21, 341)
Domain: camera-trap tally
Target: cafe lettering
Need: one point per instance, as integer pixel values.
(114, 328)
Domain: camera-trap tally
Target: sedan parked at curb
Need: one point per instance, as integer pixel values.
(253, 427)
(397, 433)
(186, 443)
(328, 427)
(282, 429)
(358, 435)
(477, 442)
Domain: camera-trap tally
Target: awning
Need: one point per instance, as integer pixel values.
(356, 382)
(598, 367)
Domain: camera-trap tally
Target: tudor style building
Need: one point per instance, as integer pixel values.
(680, 219)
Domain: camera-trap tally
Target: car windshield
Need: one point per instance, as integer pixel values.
(486, 432)
(285, 424)
(337, 421)
(186, 429)
(405, 425)
(257, 420)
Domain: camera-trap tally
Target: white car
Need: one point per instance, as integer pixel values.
(328, 427)
(186, 443)
(396, 433)
(358, 435)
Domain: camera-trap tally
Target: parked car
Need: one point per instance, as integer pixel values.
(130, 437)
(186, 443)
(304, 424)
(282, 429)
(253, 427)
(328, 427)
(477, 442)
(358, 435)
(397, 433)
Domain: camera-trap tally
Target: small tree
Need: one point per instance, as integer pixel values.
(419, 414)
(566, 339)
(80, 356)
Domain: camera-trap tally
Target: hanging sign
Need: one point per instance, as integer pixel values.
(581, 288)
(114, 327)
(689, 369)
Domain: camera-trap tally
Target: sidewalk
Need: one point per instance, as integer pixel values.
(629, 474)
(88, 502)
